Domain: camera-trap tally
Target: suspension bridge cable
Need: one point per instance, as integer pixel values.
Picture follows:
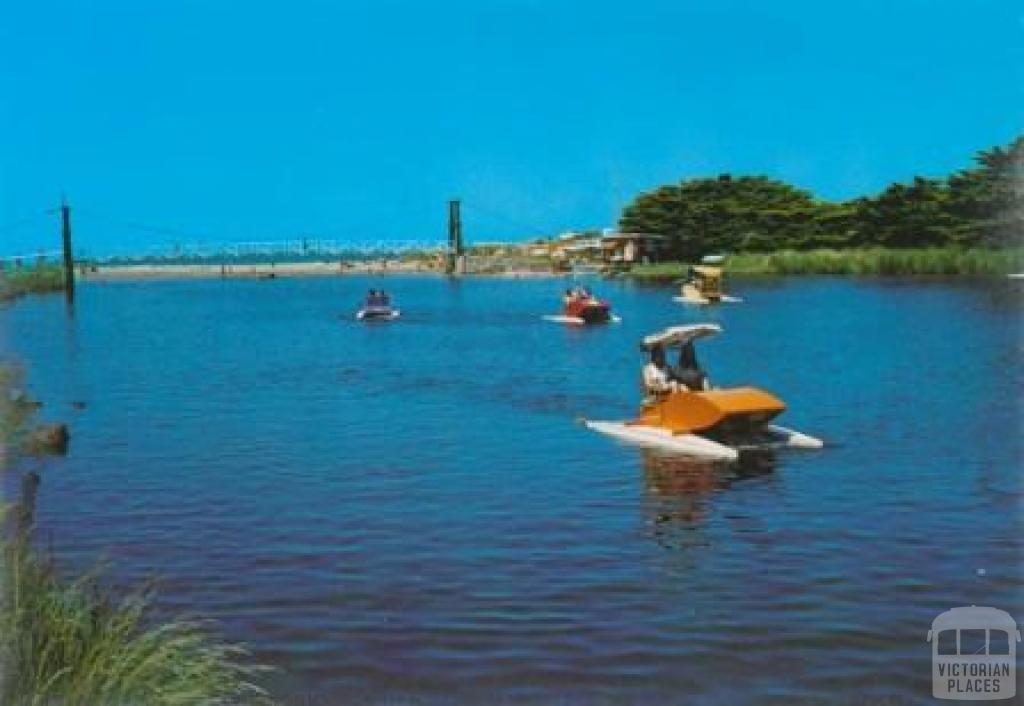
(14, 225)
(135, 225)
(531, 228)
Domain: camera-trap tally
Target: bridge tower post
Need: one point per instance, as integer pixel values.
(456, 262)
(69, 259)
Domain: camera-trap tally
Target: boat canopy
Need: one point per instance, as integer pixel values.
(713, 259)
(679, 335)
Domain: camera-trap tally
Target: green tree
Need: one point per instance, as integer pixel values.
(986, 203)
(905, 216)
(980, 206)
(725, 214)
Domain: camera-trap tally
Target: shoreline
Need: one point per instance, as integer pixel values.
(124, 273)
(853, 262)
(106, 273)
(849, 263)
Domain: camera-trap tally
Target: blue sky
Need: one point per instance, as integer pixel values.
(254, 120)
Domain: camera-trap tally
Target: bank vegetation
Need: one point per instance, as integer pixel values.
(969, 222)
(77, 641)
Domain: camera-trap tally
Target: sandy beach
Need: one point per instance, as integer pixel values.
(254, 270)
(107, 273)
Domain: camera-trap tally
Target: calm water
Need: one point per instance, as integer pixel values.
(410, 513)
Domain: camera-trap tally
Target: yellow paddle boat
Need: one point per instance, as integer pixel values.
(704, 284)
(682, 413)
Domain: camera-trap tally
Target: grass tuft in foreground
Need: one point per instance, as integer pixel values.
(76, 643)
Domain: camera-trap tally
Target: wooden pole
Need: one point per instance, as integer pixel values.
(69, 260)
(455, 226)
(454, 235)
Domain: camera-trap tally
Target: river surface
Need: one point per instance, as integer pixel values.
(412, 513)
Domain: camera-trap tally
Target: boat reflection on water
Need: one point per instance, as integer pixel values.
(679, 491)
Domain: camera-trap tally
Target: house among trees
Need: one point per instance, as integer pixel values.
(573, 246)
(631, 248)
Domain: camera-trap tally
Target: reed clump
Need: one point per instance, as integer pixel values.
(862, 261)
(36, 280)
(74, 644)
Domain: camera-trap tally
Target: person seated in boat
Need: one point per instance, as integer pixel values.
(694, 279)
(383, 299)
(657, 377)
(371, 298)
(688, 373)
(569, 298)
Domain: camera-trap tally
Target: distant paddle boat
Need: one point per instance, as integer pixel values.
(581, 308)
(702, 422)
(704, 283)
(377, 307)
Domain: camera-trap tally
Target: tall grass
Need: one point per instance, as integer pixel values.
(881, 261)
(77, 643)
(74, 644)
(37, 280)
(866, 261)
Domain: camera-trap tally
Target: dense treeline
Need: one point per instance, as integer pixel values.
(979, 207)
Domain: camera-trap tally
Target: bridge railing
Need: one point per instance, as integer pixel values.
(283, 249)
(33, 259)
